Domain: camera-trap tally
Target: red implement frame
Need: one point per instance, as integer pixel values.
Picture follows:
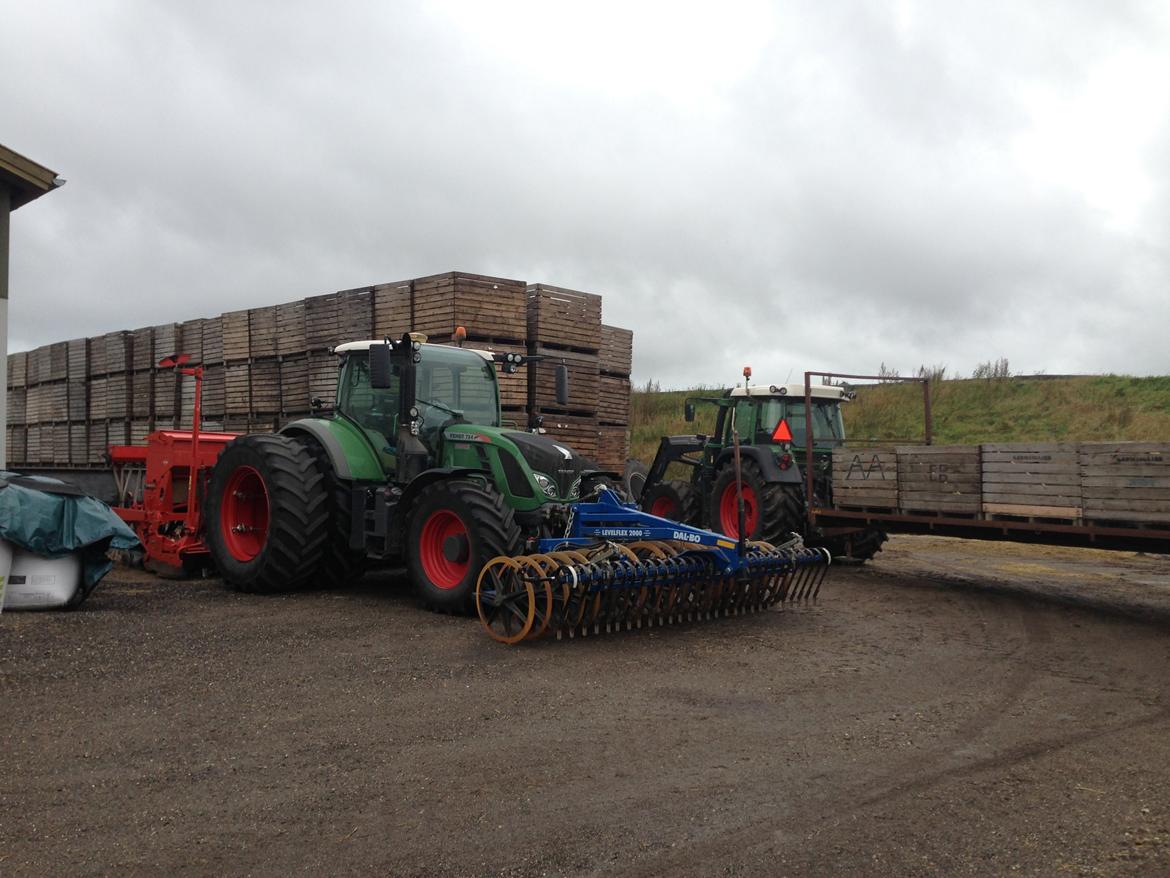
(161, 484)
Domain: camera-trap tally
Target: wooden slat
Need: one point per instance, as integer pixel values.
(265, 384)
(294, 384)
(165, 338)
(1126, 480)
(617, 350)
(142, 394)
(212, 404)
(579, 433)
(190, 340)
(18, 369)
(142, 348)
(487, 307)
(355, 314)
(613, 447)
(18, 406)
(78, 359)
(865, 476)
(213, 341)
(321, 322)
(237, 390)
(943, 478)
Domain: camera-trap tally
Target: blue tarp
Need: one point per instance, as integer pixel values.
(52, 518)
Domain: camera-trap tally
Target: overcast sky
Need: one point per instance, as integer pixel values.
(792, 185)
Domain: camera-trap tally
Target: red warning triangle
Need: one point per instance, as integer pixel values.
(782, 433)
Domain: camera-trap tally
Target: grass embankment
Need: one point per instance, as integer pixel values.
(966, 412)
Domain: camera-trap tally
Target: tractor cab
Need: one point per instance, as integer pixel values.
(770, 414)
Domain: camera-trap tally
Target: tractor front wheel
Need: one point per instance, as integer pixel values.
(267, 514)
(673, 499)
(770, 511)
(455, 528)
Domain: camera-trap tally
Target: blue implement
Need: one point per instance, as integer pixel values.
(618, 568)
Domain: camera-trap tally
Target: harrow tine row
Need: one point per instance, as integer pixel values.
(611, 587)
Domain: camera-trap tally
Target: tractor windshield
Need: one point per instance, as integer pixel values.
(828, 428)
(450, 383)
(454, 380)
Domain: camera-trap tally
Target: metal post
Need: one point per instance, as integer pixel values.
(808, 446)
(5, 207)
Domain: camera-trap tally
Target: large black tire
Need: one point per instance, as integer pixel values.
(456, 527)
(634, 478)
(267, 514)
(673, 499)
(590, 486)
(340, 565)
(771, 511)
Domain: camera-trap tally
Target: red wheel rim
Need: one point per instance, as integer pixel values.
(243, 518)
(663, 507)
(729, 512)
(439, 569)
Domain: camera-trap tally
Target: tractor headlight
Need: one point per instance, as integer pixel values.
(546, 484)
(575, 489)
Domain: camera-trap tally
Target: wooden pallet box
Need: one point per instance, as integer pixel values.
(142, 393)
(941, 479)
(322, 370)
(568, 318)
(18, 369)
(355, 314)
(77, 405)
(579, 433)
(17, 406)
(1125, 481)
(140, 428)
(166, 390)
(613, 447)
(17, 448)
(58, 361)
(487, 307)
(613, 400)
(321, 322)
(165, 338)
(95, 442)
(97, 399)
(1031, 479)
(32, 443)
(617, 350)
(237, 393)
(142, 348)
(294, 384)
(117, 351)
(290, 328)
(865, 478)
(392, 309)
(78, 443)
(38, 365)
(118, 432)
(213, 341)
(191, 339)
(77, 359)
(264, 378)
(118, 390)
(186, 413)
(262, 332)
(584, 380)
(212, 403)
(234, 327)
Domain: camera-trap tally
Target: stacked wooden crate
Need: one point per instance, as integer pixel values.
(564, 328)
(613, 397)
(262, 367)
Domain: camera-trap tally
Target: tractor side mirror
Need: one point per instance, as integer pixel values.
(381, 370)
(689, 412)
(562, 385)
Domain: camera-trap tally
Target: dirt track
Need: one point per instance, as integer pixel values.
(929, 716)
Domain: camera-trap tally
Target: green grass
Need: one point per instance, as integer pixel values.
(966, 412)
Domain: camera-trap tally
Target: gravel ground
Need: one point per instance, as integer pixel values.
(953, 708)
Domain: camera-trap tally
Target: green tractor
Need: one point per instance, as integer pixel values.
(771, 422)
(412, 464)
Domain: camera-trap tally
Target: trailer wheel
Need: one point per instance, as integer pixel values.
(267, 514)
(771, 511)
(455, 528)
(673, 499)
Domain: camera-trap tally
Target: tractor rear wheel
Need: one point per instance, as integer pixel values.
(673, 499)
(455, 528)
(340, 565)
(267, 514)
(771, 511)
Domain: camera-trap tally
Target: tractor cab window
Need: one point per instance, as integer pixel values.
(455, 384)
(828, 428)
(375, 410)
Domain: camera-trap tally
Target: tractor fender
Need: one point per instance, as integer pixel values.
(438, 474)
(350, 454)
(765, 460)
